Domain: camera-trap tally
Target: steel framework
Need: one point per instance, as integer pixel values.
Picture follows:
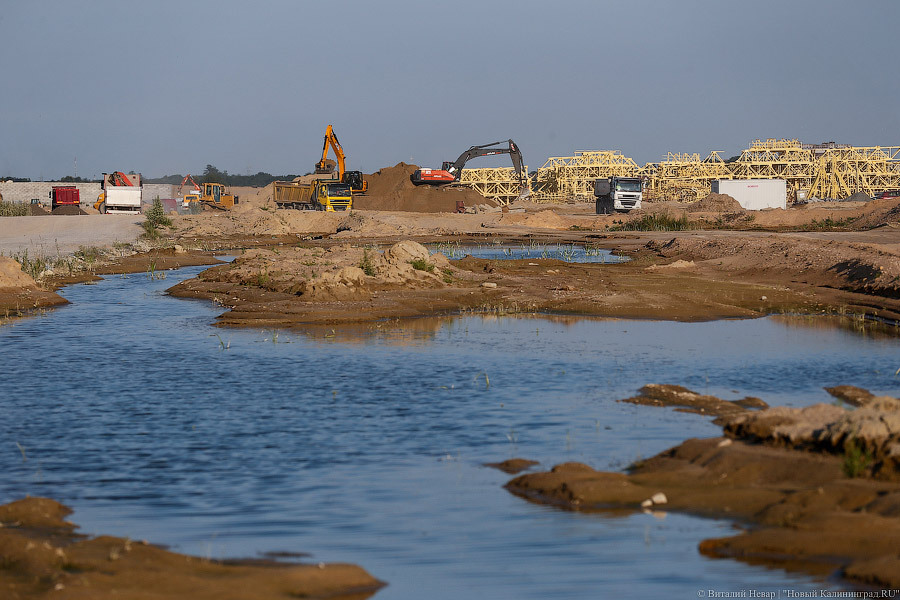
(815, 171)
(500, 184)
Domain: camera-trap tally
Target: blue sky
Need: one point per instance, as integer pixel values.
(167, 87)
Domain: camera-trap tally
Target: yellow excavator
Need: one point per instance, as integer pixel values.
(358, 185)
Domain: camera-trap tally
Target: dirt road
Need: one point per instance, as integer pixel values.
(63, 234)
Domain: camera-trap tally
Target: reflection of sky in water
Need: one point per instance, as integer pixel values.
(565, 252)
(365, 443)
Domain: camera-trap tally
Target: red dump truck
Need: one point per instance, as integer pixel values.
(64, 195)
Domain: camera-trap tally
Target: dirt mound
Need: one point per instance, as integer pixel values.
(67, 210)
(842, 265)
(546, 219)
(37, 210)
(878, 213)
(391, 189)
(857, 197)
(12, 276)
(872, 429)
(715, 203)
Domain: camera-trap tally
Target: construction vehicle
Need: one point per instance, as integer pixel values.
(64, 195)
(320, 194)
(213, 195)
(450, 171)
(618, 193)
(120, 193)
(358, 185)
(194, 196)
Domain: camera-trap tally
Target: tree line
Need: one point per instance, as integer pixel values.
(213, 175)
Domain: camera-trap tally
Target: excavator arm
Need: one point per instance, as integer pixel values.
(331, 140)
(511, 148)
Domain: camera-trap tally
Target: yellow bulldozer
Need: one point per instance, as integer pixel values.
(214, 195)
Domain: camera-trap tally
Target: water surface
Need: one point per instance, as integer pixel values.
(366, 444)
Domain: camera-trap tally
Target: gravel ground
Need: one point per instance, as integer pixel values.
(47, 235)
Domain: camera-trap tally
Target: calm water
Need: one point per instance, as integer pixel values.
(572, 253)
(365, 445)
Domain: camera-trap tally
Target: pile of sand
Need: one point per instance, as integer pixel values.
(12, 276)
(391, 189)
(546, 219)
(715, 203)
(38, 211)
(878, 213)
(67, 210)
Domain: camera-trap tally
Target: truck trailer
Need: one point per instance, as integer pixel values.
(319, 194)
(121, 193)
(64, 195)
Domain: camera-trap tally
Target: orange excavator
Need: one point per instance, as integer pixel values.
(358, 185)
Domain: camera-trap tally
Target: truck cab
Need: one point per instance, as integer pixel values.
(618, 194)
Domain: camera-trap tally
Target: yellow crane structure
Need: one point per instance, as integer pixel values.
(811, 171)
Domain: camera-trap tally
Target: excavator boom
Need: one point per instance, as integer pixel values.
(358, 184)
(451, 171)
(322, 166)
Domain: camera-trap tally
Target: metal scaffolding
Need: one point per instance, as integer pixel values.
(565, 178)
(821, 171)
(499, 184)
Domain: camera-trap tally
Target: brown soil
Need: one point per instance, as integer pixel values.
(391, 189)
(42, 557)
(691, 402)
(715, 203)
(805, 511)
(37, 210)
(19, 293)
(67, 210)
(695, 276)
(513, 465)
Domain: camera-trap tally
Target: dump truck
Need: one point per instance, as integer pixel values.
(618, 193)
(320, 194)
(121, 193)
(64, 195)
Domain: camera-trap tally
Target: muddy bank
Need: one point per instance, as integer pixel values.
(687, 277)
(294, 286)
(813, 488)
(41, 556)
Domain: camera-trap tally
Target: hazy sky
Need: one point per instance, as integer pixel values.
(167, 87)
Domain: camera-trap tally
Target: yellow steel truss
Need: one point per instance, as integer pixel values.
(572, 177)
(500, 184)
(819, 171)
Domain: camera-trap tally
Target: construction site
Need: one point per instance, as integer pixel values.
(438, 314)
(812, 172)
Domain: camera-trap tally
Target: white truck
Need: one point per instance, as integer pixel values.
(121, 193)
(618, 193)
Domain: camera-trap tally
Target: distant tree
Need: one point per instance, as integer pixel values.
(16, 179)
(733, 159)
(213, 175)
(71, 179)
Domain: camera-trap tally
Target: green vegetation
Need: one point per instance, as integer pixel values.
(828, 224)
(420, 264)
(213, 175)
(856, 462)
(156, 218)
(657, 222)
(14, 209)
(366, 263)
